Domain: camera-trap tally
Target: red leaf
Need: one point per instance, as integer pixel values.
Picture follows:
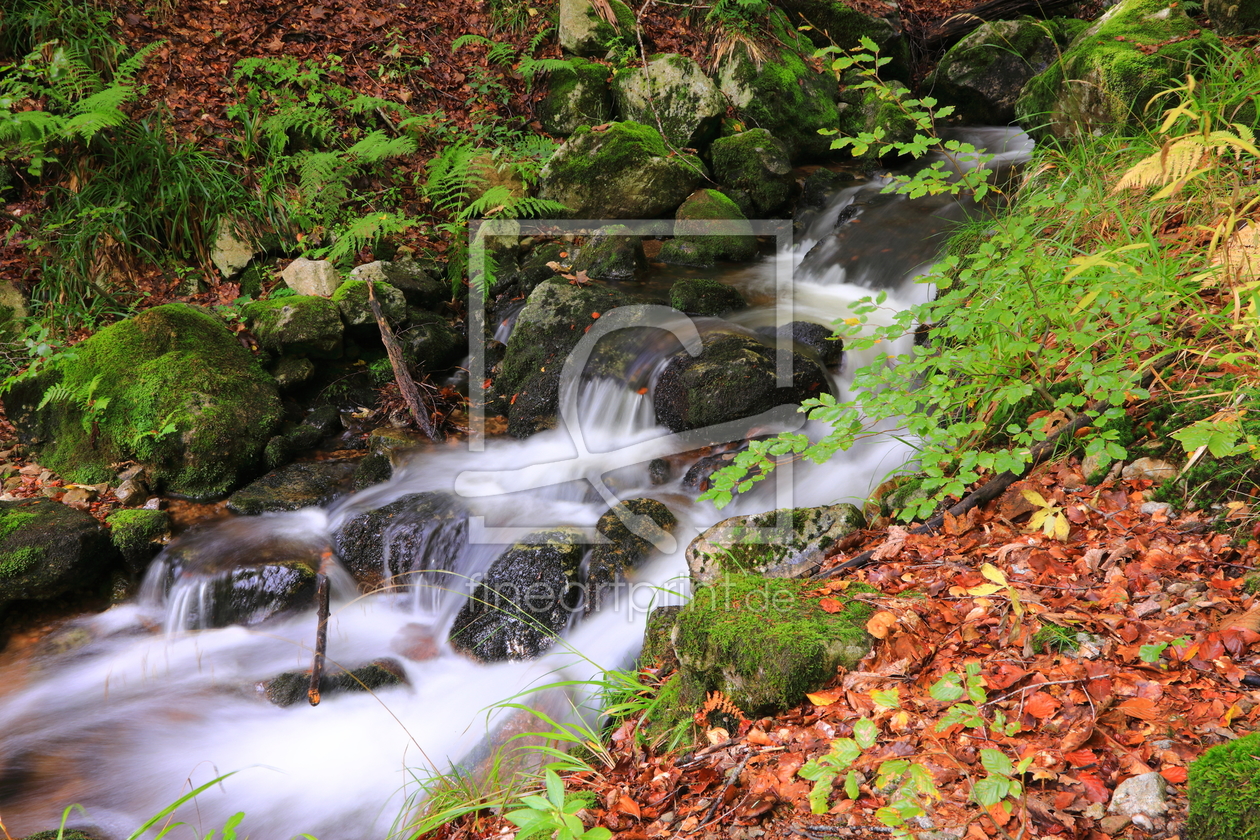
(1174, 775)
(830, 605)
(1095, 790)
(1041, 705)
(1081, 758)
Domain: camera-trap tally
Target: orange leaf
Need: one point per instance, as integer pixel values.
(830, 605)
(1174, 775)
(1080, 758)
(879, 624)
(824, 698)
(1041, 705)
(1142, 708)
(626, 805)
(1095, 790)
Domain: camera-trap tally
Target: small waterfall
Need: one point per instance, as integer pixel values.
(131, 718)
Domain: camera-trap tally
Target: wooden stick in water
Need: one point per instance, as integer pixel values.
(321, 636)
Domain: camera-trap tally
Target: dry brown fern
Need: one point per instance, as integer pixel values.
(720, 705)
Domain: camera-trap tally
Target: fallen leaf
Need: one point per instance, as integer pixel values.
(830, 605)
(628, 806)
(1041, 705)
(825, 698)
(879, 624)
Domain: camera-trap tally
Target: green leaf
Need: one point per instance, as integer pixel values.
(887, 698)
(852, 787)
(997, 762)
(555, 788)
(948, 689)
(865, 733)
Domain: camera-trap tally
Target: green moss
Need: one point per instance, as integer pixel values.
(577, 95)
(1225, 792)
(135, 533)
(624, 144)
(787, 98)
(756, 164)
(20, 560)
(351, 298)
(764, 642)
(297, 324)
(692, 246)
(12, 520)
(705, 296)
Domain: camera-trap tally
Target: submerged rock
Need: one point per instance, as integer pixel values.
(48, 549)
(622, 172)
(524, 601)
(705, 296)
(171, 388)
(733, 377)
(780, 543)
(1110, 72)
(293, 487)
(674, 92)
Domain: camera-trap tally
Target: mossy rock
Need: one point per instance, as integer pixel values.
(293, 487)
(552, 323)
(982, 75)
(705, 296)
(873, 113)
(583, 31)
(622, 172)
(763, 642)
(1110, 72)
(577, 95)
(695, 244)
(48, 549)
(1225, 792)
(658, 649)
(430, 343)
(733, 377)
(673, 90)
(611, 254)
(68, 834)
(184, 398)
(297, 325)
(780, 543)
(421, 283)
(291, 688)
(785, 96)
(626, 549)
(524, 601)
(1233, 17)
(838, 23)
(754, 169)
(351, 299)
(814, 339)
(138, 535)
(398, 541)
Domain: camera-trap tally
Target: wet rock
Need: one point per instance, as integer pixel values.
(658, 650)
(1232, 17)
(815, 339)
(584, 31)
(419, 533)
(325, 419)
(132, 491)
(673, 93)
(66, 834)
(525, 599)
(394, 443)
(576, 96)
(611, 254)
(982, 75)
(659, 471)
(138, 535)
(185, 399)
(292, 488)
(297, 325)
(293, 372)
(633, 530)
(430, 343)
(754, 169)
(697, 241)
(623, 172)
(48, 549)
(290, 688)
(374, 468)
(421, 284)
(312, 277)
(781, 543)
(705, 296)
(733, 377)
(1112, 69)
(1145, 794)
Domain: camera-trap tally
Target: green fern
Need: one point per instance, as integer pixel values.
(364, 232)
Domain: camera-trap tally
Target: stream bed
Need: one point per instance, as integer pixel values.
(127, 710)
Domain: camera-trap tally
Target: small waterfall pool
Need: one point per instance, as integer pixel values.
(150, 702)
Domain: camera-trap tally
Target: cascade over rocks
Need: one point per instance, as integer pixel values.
(1111, 70)
(583, 31)
(733, 377)
(417, 533)
(48, 549)
(780, 543)
(673, 89)
(184, 398)
(552, 323)
(983, 74)
(754, 169)
(577, 95)
(694, 244)
(524, 601)
(623, 172)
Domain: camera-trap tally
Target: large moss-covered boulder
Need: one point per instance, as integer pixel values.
(1225, 792)
(48, 549)
(1105, 79)
(763, 642)
(674, 90)
(552, 323)
(577, 95)
(1233, 17)
(785, 96)
(780, 543)
(585, 31)
(525, 599)
(414, 537)
(705, 296)
(754, 169)
(733, 377)
(623, 172)
(171, 388)
(696, 243)
(297, 325)
(611, 254)
(982, 75)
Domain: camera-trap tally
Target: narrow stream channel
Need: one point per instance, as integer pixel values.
(152, 706)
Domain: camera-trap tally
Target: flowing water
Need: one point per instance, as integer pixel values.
(151, 700)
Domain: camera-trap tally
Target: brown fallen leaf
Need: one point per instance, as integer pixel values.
(1249, 620)
(879, 624)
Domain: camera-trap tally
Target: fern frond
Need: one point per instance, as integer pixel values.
(500, 54)
(538, 39)
(72, 76)
(378, 146)
(99, 112)
(365, 231)
(452, 174)
(313, 122)
(322, 177)
(56, 394)
(531, 67)
(127, 70)
(471, 38)
(1183, 158)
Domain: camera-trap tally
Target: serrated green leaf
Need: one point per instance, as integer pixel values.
(865, 733)
(948, 689)
(996, 761)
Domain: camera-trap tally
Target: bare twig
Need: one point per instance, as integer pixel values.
(406, 385)
(321, 637)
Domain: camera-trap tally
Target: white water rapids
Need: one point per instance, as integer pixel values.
(128, 722)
